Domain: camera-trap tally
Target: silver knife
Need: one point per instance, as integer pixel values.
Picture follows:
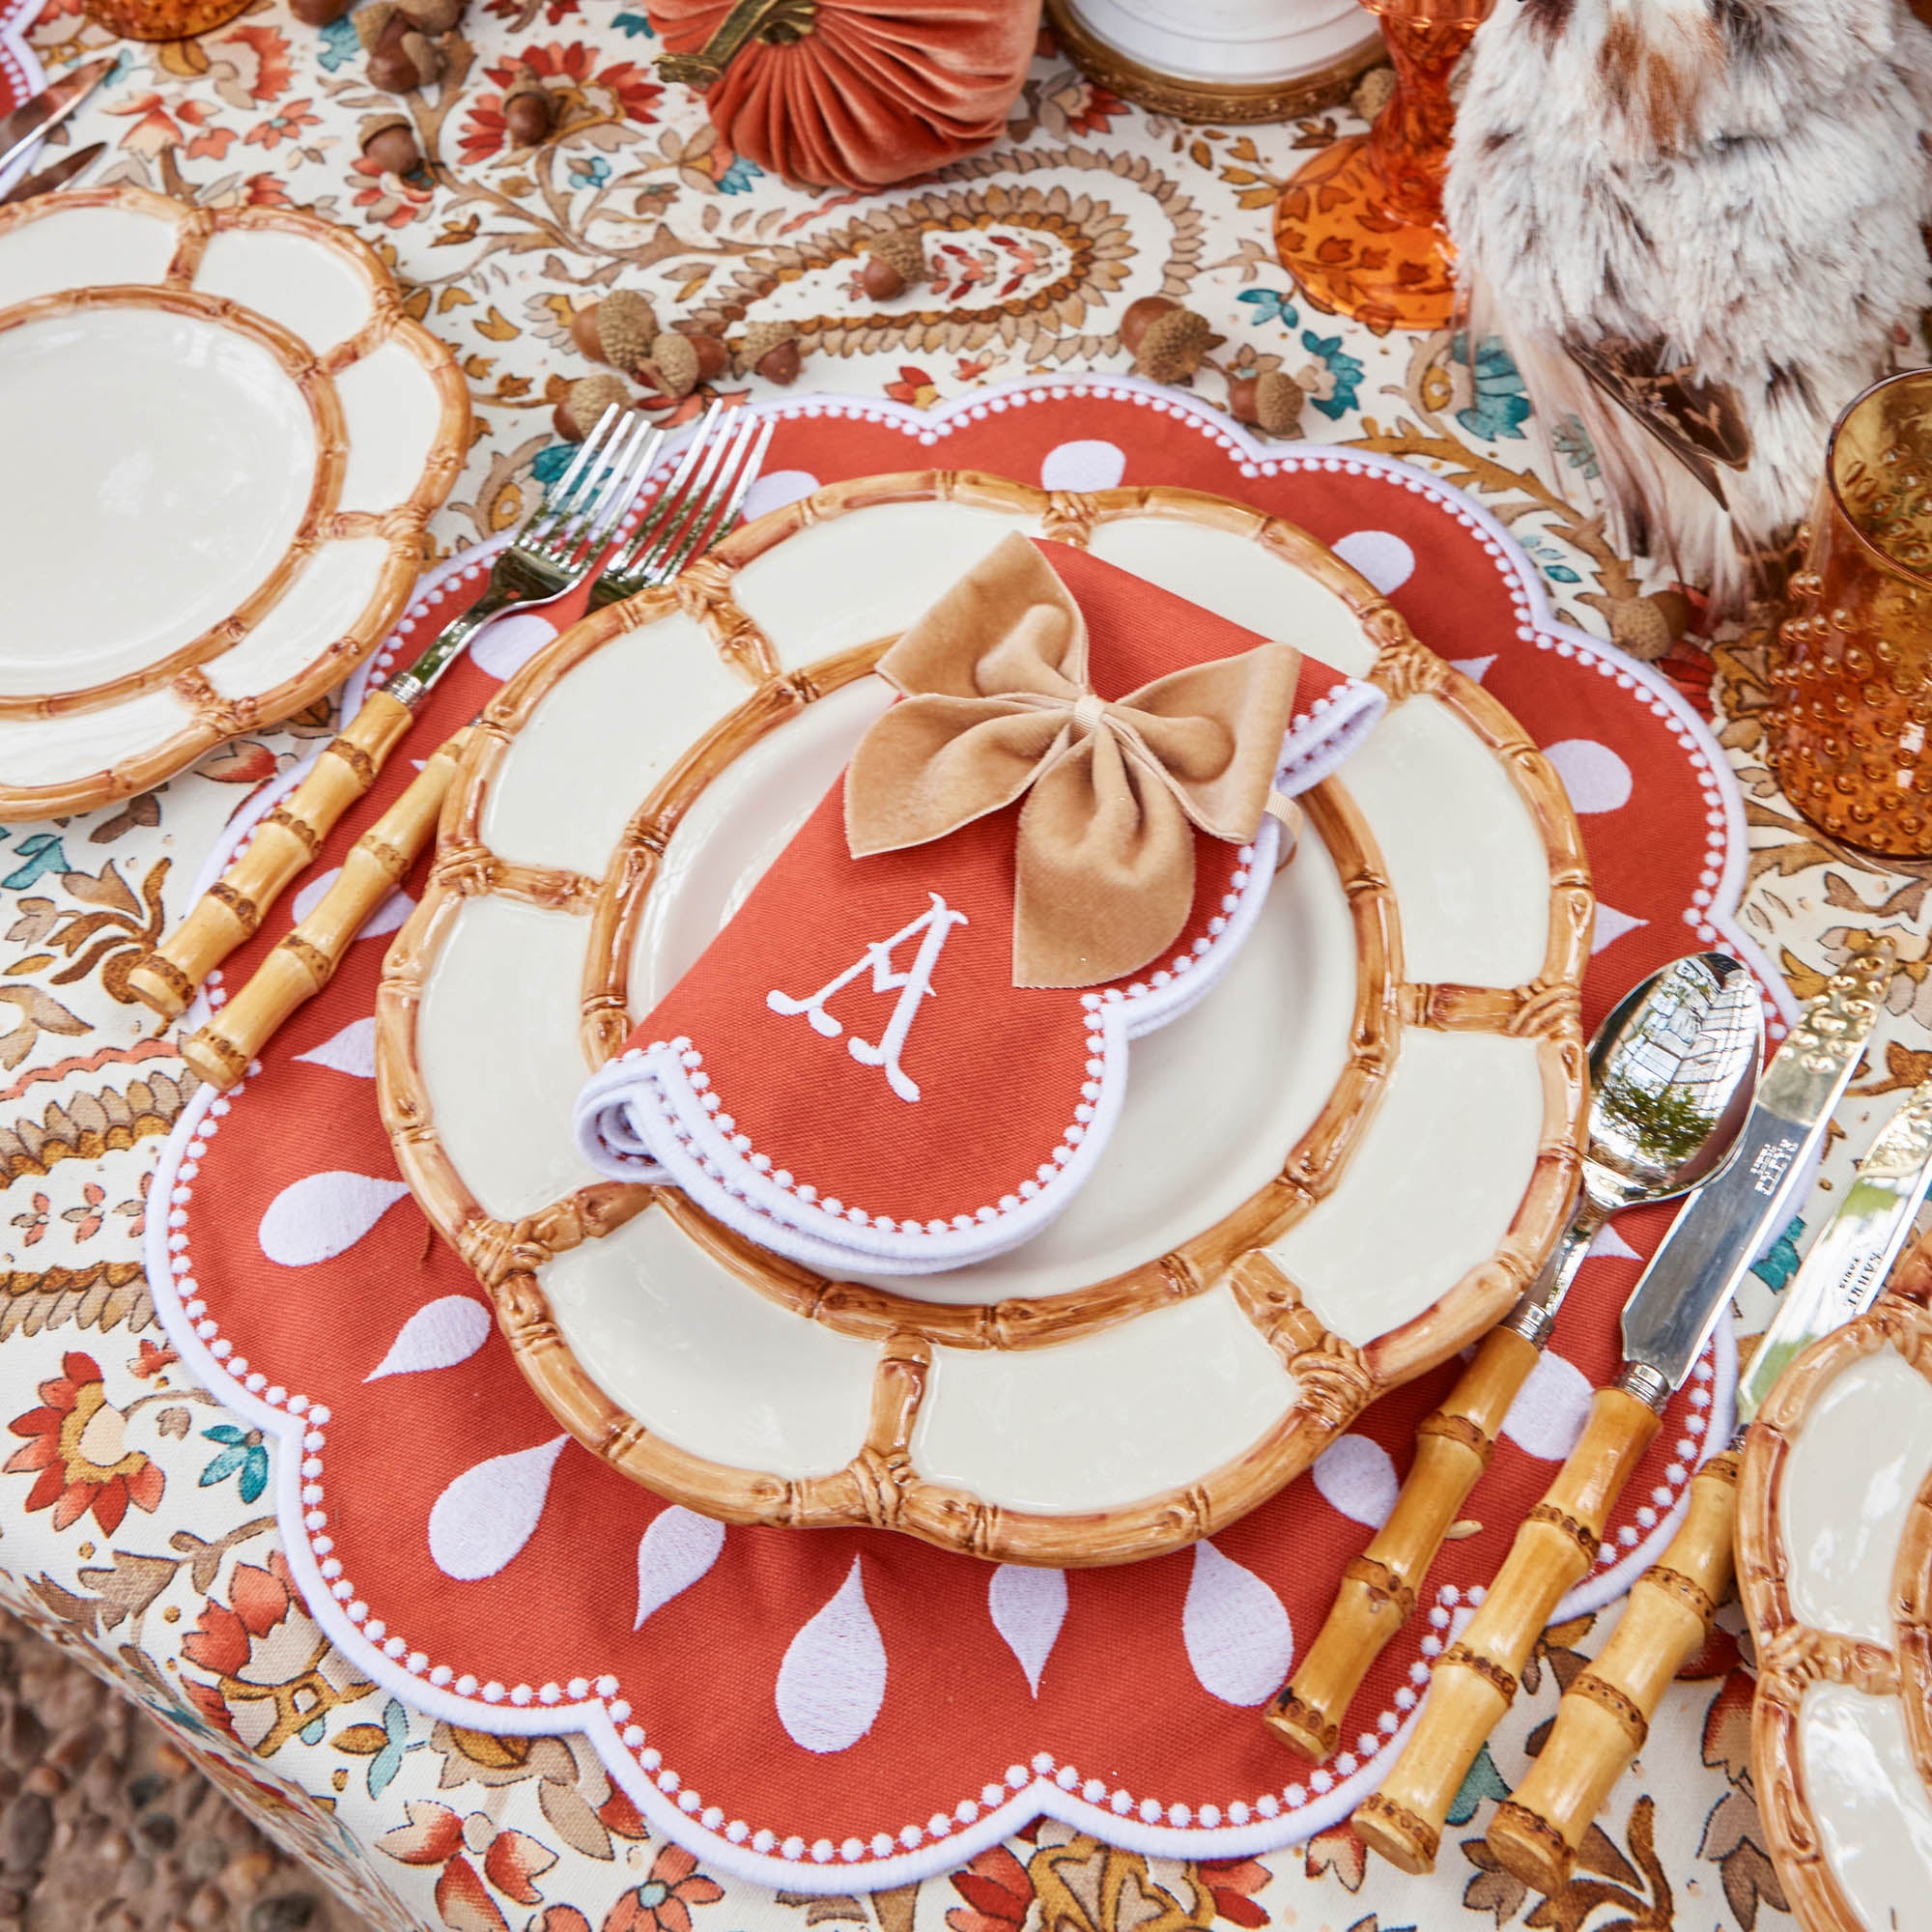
(1848, 1263)
(34, 119)
(58, 175)
(1691, 1279)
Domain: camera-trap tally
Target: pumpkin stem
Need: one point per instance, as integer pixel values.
(775, 21)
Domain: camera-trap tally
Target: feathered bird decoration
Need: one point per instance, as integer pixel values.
(1696, 226)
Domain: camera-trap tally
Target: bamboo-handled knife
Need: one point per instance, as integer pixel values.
(1605, 1712)
(1668, 1319)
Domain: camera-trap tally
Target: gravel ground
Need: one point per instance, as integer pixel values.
(106, 1827)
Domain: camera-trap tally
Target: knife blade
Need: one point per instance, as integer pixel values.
(58, 175)
(1538, 1831)
(1847, 1264)
(1710, 1248)
(34, 119)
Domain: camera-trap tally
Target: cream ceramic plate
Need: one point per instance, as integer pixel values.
(1834, 1566)
(236, 440)
(1333, 1173)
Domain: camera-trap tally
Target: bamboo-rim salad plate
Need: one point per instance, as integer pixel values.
(225, 437)
(1329, 1175)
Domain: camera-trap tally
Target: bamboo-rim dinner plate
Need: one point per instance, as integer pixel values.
(1336, 1171)
(1835, 1567)
(224, 438)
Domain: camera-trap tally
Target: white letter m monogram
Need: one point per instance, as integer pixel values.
(912, 985)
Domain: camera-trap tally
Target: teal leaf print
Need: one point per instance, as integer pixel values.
(387, 1761)
(241, 1454)
(738, 178)
(42, 853)
(1343, 368)
(589, 171)
(632, 25)
(1501, 408)
(551, 462)
(1269, 305)
(339, 45)
(1484, 1780)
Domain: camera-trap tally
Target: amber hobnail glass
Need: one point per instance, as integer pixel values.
(1360, 226)
(1853, 667)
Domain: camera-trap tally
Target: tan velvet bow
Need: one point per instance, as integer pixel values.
(998, 700)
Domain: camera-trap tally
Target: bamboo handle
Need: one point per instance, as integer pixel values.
(1475, 1679)
(305, 960)
(286, 841)
(1453, 1447)
(1605, 1712)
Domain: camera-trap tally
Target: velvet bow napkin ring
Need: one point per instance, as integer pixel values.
(998, 704)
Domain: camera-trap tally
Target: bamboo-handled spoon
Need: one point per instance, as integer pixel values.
(1605, 1712)
(1645, 1143)
(1666, 1322)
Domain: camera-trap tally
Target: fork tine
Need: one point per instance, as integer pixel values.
(547, 519)
(616, 502)
(576, 528)
(670, 500)
(742, 462)
(691, 510)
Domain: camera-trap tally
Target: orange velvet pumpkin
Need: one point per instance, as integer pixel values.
(857, 93)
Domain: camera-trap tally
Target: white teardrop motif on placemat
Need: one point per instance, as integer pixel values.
(777, 488)
(511, 642)
(1357, 1479)
(387, 917)
(1594, 776)
(1028, 1608)
(832, 1680)
(1611, 925)
(439, 1335)
(353, 1050)
(1610, 1242)
(678, 1549)
(487, 1515)
(316, 1217)
(1380, 555)
(1089, 464)
(1475, 670)
(1551, 1408)
(1237, 1630)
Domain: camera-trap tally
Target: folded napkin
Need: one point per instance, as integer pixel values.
(908, 1047)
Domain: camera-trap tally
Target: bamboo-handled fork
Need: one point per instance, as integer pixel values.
(551, 556)
(699, 506)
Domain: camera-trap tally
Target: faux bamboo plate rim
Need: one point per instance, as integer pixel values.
(210, 719)
(1336, 1379)
(1793, 1654)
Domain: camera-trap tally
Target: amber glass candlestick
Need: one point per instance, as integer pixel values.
(1360, 226)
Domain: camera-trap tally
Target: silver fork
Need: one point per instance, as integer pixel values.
(699, 502)
(551, 555)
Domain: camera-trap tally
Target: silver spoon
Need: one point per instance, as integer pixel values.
(1673, 1068)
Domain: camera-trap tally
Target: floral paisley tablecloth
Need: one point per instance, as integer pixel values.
(134, 1522)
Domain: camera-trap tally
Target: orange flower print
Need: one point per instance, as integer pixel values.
(77, 1447)
(512, 1862)
(152, 1360)
(259, 61)
(580, 89)
(663, 1902)
(286, 126)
